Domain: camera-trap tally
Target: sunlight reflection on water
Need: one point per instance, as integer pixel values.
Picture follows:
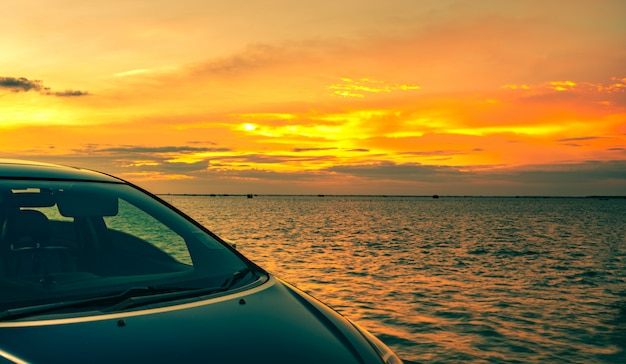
(472, 279)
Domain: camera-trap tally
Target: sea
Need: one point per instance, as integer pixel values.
(448, 279)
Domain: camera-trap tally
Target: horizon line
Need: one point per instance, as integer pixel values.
(249, 195)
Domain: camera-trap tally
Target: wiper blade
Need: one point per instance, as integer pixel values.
(142, 300)
(129, 298)
(236, 277)
(20, 312)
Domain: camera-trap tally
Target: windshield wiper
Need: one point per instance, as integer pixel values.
(142, 300)
(134, 292)
(132, 297)
(236, 277)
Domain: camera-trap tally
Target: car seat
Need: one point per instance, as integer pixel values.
(25, 243)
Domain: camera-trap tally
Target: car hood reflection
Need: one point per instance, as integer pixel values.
(237, 328)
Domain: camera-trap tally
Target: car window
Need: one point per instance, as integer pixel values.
(138, 223)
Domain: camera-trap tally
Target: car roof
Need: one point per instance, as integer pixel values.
(21, 169)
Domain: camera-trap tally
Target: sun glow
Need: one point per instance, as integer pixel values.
(34, 110)
(249, 127)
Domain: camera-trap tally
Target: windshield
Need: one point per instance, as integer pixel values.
(68, 240)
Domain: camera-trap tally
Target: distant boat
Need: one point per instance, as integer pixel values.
(435, 196)
(250, 195)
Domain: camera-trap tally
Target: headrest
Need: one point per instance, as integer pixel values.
(27, 228)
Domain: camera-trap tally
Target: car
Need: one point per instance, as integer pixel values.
(96, 269)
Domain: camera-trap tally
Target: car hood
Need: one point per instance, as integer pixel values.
(271, 323)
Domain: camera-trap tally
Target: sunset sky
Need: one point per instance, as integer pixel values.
(395, 97)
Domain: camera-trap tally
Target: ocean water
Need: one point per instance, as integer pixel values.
(479, 280)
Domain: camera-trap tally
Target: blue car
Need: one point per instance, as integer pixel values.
(94, 269)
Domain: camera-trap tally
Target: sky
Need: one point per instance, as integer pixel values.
(380, 97)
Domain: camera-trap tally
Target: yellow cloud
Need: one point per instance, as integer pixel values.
(266, 116)
(358, 88)
(515, 87)
(562, 85)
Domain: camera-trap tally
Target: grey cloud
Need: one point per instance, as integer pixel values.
(201, 142)
(435, 153)
(578, 139)
(271, 159)
(164, 149)
(22, 84)
(71, 93)
(266, 175)
(122, 164)
(589, 171)
(394, 171)
(174, 167)
(582, 178)
(122, 159)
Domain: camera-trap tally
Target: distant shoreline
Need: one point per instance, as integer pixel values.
(379, 196)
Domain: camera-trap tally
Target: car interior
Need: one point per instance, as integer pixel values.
(46, 234)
